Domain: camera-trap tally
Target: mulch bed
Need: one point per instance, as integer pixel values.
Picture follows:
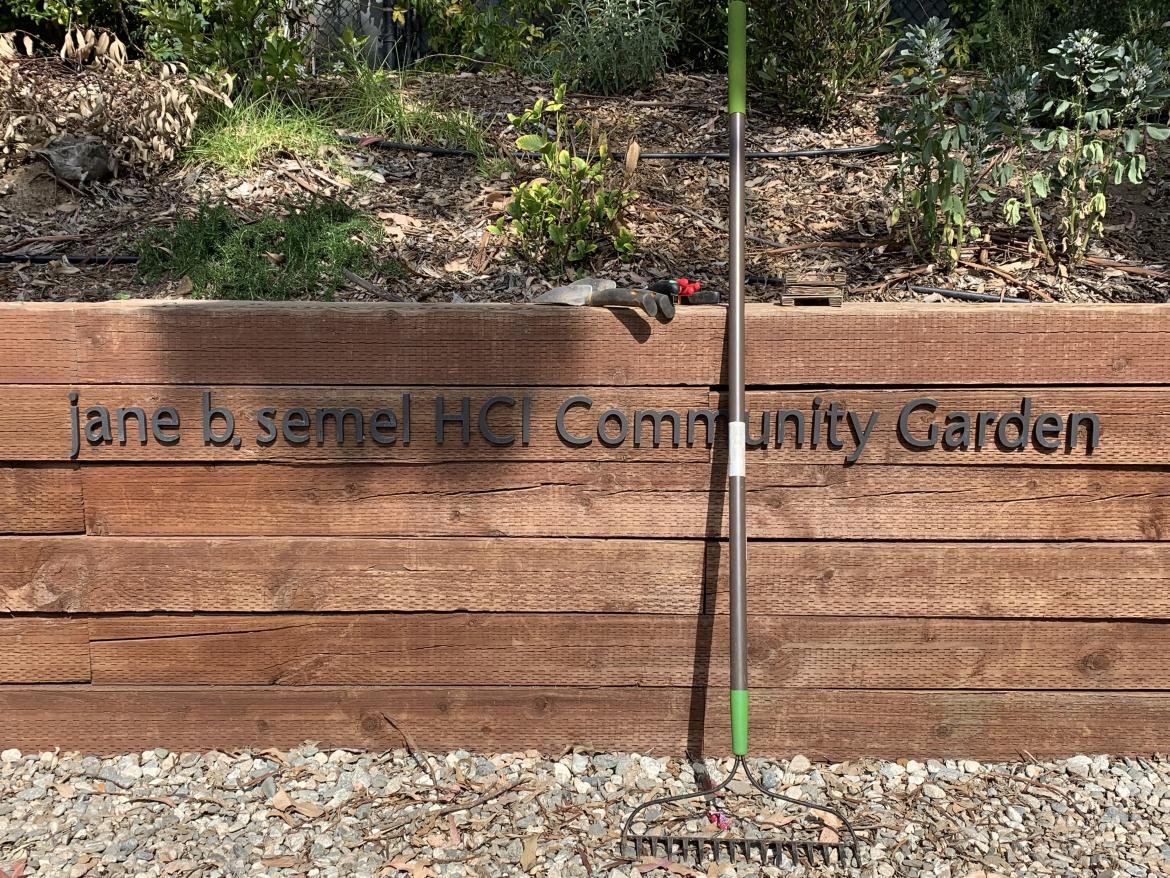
(804, 215)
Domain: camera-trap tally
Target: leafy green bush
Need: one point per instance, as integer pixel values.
(1010, 33)
(504, 32)
(304, 253)
(560, 218)
(245, 38)
(941, 145)
(703, 40)
(1049, 158)
(614, 46)
(1094, 137)
(810, 55)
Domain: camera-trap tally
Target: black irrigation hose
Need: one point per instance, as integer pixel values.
(872, 149)
(969, 296)
(74, 259)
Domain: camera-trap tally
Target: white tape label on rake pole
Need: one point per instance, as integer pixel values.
(736, 445)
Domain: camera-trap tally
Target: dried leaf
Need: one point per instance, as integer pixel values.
(412, 868)
(282, 801)
(632, 154)
(528, 857)
(308, 809)
(829, 835)
(285, 862)
(830, 820)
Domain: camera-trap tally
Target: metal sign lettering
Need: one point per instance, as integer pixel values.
(922, 424)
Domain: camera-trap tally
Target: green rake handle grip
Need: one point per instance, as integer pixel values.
(737, 57)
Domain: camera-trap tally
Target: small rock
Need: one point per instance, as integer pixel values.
(1078, 765)
(11, 755)
(799, 764)
(932, 791)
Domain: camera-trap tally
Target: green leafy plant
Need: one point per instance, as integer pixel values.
(561, 218)
(614, 46)
(505, 32)
(811, 55)
(1093, 133)
(942, 147)
(246, 38)
(305, 252)
(703, 39)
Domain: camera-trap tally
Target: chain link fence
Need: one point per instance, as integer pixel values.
(914, 12)
(387, 40)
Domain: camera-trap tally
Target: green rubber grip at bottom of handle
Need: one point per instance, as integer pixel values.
(739, 722)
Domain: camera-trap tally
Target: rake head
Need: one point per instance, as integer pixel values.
(794, 847)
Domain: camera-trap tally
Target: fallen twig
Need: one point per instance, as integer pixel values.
(1141, 270)
(820, 245)
(371, 287)
(1010, 278)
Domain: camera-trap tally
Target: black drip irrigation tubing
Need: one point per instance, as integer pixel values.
(871, 149)
(968, 296)
(73, 259)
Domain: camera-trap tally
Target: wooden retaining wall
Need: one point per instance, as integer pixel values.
(197, 593)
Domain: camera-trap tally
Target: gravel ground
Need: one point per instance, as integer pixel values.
(353, 813)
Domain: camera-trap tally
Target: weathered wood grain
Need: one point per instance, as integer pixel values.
(1135, 426)
(38, 343)
(822, 724)
(44, 651)
(629, 500)
(991, 580)
(317, 343)
(508, 649)
(262, 575)
(35, 423)
(74, 574)
(36, 500)
(449, 345)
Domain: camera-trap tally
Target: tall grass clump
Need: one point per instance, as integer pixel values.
(237, 138)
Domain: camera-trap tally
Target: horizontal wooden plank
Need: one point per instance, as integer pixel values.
(321, 343)
(509, 649)
(37, 423)
(822, 724)
(44, 651)
(1132, 427)
(338, 574)
(36, 500)
(629, 500)
(990, 580)
(121, 575)
(38, 343)
(308, 343)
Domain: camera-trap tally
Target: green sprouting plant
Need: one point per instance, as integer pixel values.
(942, 147)
(614, 46)
(561, 218)
(1094, 128)
(304, 252)
(811, 55)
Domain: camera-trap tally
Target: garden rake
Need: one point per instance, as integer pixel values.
(816, 832)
